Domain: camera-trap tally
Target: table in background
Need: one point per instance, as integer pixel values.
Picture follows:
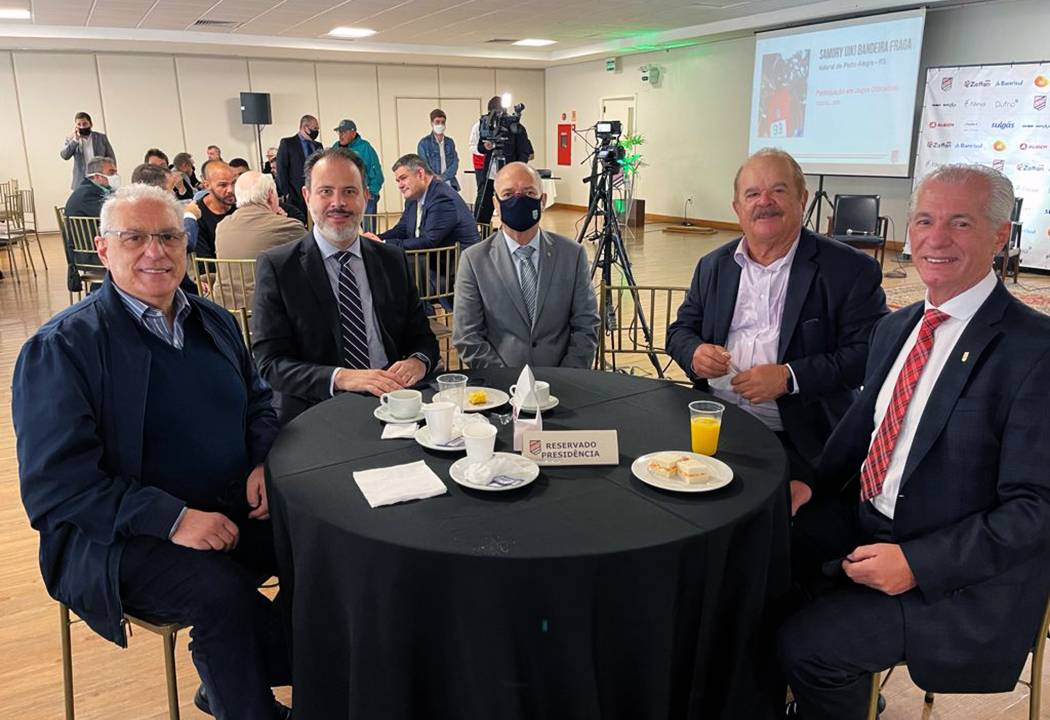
(587, 594)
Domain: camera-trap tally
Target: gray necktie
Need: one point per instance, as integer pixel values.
(529, 283)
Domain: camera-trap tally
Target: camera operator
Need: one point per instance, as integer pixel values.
(518, 148)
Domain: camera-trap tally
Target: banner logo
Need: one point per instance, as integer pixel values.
(1039, 102)
(999, 146)
(977, 83)
(1002, 125)
(1041, 81)
(998, 165)
(946, 83)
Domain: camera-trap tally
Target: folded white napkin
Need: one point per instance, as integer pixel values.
(497, 472)
(526, 384)
(391, 432)
(386, 486)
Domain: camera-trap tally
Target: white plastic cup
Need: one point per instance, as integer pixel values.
(402, 404)
(480, 439)
(439, 416)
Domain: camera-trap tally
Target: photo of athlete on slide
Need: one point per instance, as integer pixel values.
(782, 99)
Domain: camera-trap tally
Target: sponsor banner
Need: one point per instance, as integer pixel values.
(995, 116)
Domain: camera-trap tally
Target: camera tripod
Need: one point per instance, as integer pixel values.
(610, 249)
(498, 160)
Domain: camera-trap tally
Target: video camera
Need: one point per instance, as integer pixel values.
(609, 151)
(498, 126)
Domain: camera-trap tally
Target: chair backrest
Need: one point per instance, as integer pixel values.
(434, 272)
(229, 283)
(381, 221)
(28, 206)
(622, 341)
(80, 233)
(1015, 216)
(14, 215)
(856, 215)
(484, 230)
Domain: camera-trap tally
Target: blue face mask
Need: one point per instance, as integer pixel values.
(520, 212)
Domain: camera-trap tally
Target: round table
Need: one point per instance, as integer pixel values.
(586, 594)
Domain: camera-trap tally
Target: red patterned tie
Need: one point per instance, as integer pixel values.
(873, 473)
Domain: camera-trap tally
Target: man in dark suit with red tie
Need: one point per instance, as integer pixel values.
(933, 502)
(334, 311)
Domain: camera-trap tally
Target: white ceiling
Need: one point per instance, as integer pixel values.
(449, 28)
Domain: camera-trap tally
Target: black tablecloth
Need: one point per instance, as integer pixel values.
(587, 594)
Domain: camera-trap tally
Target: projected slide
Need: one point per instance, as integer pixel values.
(840, 97)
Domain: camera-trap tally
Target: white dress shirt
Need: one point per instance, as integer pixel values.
(754, 333)
(960, 309)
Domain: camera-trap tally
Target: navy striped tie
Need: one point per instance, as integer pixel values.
(529, 282)
(351, 316)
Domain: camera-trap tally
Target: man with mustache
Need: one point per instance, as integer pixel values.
(778, 321)
(336, 312)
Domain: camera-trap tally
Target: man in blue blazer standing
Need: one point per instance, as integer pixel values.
(933, 503)
(149, 499)
(778, 321)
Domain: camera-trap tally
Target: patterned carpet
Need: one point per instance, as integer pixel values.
(904, 295)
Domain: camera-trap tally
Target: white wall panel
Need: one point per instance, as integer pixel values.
(411, 81)
(13, 150)
(52, 88)
(210, 94)
(351, 92)
(142, 105)
(293, 93)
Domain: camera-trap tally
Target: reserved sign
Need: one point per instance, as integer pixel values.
(571, 447)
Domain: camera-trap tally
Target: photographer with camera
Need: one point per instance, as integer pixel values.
(503, 140)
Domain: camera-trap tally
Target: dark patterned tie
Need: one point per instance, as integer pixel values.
(873, 473)
(351, 316)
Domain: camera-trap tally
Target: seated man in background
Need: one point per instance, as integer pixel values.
(524, 295)
(940, 550)
(335, 312)
(240, 165)
(777, 321)
(439, 151)
(159, 176)
(214, 207)
(130, 519)
(183, 164)
(435, 214)
(257, 225)
(86, 201)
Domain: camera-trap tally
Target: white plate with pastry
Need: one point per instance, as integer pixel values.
(682, 471)
(479, 399)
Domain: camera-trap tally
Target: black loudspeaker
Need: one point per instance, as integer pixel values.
(255, 108)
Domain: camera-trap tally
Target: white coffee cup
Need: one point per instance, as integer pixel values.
(440, 416)
(402, 404)
(480, 439)
(542, 393)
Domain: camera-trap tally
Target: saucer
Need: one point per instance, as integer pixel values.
(456, 444)
(383, 413)
(552, 402)
(458, 473)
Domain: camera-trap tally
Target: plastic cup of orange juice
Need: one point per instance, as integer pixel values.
(705, 421)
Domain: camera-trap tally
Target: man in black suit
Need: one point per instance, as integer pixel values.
(518, 149)
(291, 155)
(335, 312)
(941, 549)
(435, 214)
(778, 321)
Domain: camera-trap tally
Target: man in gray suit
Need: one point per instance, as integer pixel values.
(84, 145)
(524, 295)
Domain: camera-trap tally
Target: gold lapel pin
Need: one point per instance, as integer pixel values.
(966, 356)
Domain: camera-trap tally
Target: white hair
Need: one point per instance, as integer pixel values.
(254, 188)
(1000, 204)
(134, 193)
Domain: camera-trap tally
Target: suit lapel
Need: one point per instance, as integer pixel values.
(317, 279)
(508, 275)
(803, 270)
(548, 265)
(973, 342)
(725, 297)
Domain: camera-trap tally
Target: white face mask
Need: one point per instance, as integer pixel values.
(439, 129)
(114, 181)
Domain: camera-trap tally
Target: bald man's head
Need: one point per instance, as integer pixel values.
(515, 177)
(219, 179)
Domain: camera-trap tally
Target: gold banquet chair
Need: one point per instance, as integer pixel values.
(167, 631)
(12, 229)
(484, 230)
(80, 233)
(434, 272)
(30, 222)
(622, 342)
(229, 283)
(1034, 682)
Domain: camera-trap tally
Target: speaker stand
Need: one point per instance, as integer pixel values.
(262, 153)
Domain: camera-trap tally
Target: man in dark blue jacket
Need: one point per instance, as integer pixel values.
(434, 216)
(150, 499)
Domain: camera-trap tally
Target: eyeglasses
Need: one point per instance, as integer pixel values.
(140, 239)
